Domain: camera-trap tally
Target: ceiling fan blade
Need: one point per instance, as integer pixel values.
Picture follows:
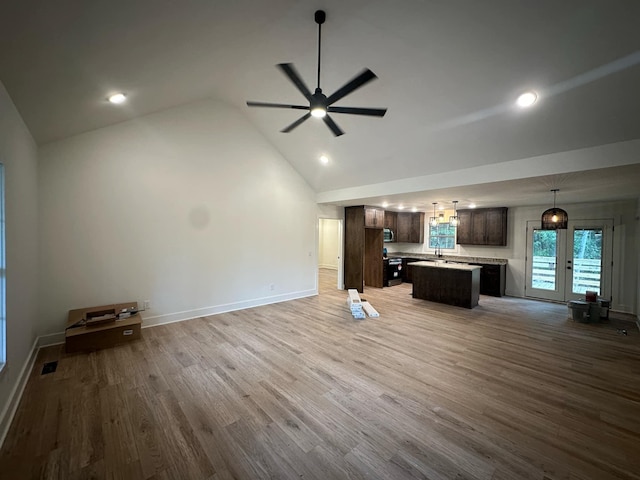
(358, 81)
(290, 71)
(374, 112)
(337, 131)
(276, 105)
(296, 123)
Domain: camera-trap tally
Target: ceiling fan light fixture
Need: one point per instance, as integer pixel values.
(318, 112)
(320, 106)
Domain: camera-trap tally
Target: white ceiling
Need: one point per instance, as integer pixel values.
(448, 74)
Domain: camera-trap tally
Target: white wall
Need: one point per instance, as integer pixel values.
(625, 251)
(328, 243)
(18, 153)
(189, 208)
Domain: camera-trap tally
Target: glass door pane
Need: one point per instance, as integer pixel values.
(545, 262)
(587, 260)
(544, 259)
(589, 255)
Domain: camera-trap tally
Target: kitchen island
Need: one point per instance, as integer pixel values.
(451, 283)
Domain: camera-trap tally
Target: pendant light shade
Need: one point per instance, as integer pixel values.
(554, 218)
(433, 221)
(454, 220)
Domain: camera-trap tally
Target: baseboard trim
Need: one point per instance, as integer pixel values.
(153, 321)
(50, 340)
(10, 409)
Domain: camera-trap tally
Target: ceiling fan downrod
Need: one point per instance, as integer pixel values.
(320, 17)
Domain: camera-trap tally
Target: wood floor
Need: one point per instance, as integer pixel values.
(512, 389)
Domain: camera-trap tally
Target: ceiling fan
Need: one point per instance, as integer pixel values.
(319, 104)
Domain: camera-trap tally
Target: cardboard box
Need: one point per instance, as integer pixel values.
(101, 335)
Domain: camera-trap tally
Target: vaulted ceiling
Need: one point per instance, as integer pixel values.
(449, 73)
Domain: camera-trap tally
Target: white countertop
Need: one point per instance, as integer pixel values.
(452, 266)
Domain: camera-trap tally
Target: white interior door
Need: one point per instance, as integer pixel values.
(562, 265)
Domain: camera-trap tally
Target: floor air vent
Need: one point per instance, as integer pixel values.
(49, 367)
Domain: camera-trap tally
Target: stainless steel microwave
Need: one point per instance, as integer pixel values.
(388, 235)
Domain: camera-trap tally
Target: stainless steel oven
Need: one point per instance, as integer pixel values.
(394, 272)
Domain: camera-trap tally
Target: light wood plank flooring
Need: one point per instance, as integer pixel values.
(512, 389)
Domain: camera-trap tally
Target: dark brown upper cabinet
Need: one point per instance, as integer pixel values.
(373, 217)
(410, 227)
(391, 220)
(482, 226)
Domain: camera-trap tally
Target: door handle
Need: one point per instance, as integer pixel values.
(568, 268)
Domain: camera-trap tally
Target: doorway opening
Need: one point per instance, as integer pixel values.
(330, 249)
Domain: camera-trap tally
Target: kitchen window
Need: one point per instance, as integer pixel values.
(442, 236)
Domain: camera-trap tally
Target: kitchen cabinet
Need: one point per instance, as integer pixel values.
(492, 279)
(457, 285)
(391, 220)
(373, 217)
(362, 251)
(407, 270)
(410, 227)
(482, 226)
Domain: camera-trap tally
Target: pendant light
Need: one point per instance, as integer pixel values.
(454, 221)
(433, 221)
(554, 218)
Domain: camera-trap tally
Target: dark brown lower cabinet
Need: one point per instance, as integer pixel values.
(447, 285)
(492, 279)
(407, 276)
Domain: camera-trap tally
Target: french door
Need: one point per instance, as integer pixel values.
(562, 265)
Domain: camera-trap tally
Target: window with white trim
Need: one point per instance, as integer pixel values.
(442, 236)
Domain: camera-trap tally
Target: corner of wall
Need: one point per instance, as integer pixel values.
(11, 405)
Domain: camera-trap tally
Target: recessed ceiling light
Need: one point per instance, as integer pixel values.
(385, 204)
(400, 207)
(527, 99)
(118, 98)
(414, 209)
(472, 205)
(324, 159)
